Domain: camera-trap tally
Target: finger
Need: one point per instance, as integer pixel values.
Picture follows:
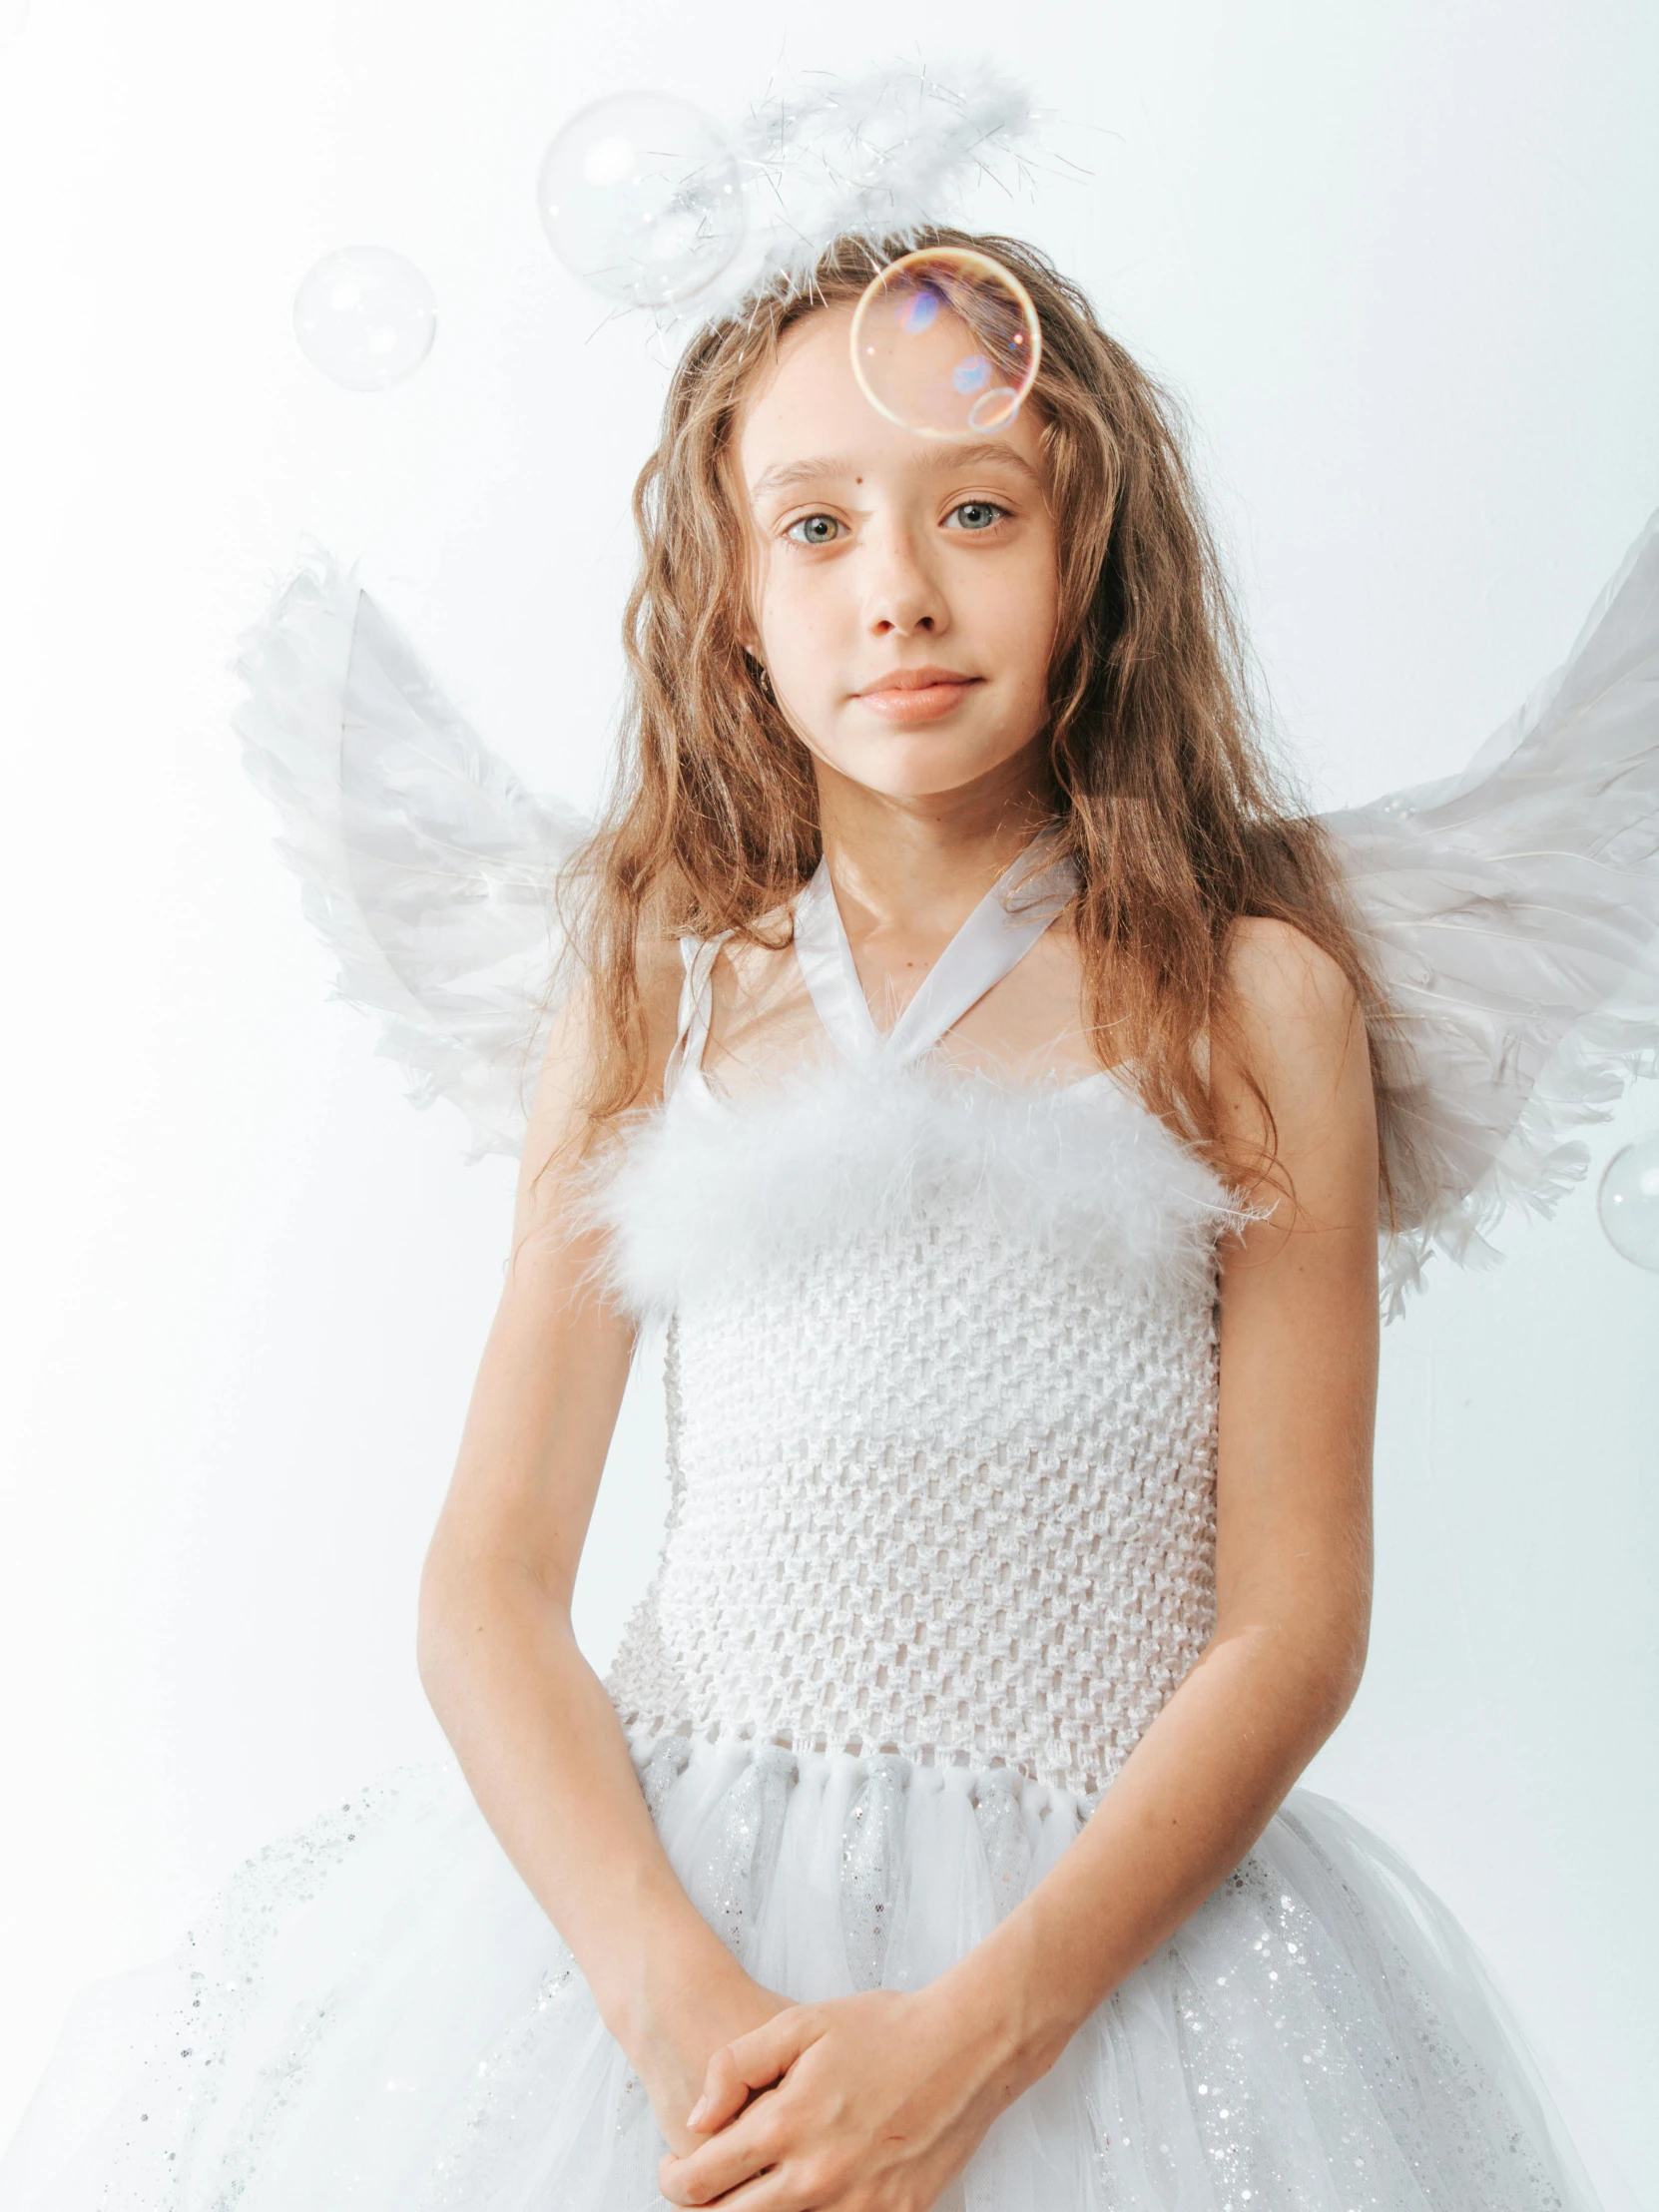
(778, 2189)
(739, 2152)
(769, 2050)
(725, 2094)
(752, 2061)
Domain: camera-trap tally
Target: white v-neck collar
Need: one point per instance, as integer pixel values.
(991, 942)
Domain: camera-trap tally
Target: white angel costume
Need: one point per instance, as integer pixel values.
(942, 1386)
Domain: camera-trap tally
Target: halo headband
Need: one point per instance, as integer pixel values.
(653, 204)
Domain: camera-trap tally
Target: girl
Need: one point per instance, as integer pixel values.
(994, 1086)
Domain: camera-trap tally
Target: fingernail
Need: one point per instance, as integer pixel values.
(697, 2111)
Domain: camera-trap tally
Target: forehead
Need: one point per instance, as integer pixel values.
(808, 407)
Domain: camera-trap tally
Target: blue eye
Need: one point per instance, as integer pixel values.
(976, 514)
(814, 530)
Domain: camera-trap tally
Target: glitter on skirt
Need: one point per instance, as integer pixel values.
(377, 2013)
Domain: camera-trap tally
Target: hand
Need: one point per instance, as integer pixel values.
(868, 2103)
(685, 2025)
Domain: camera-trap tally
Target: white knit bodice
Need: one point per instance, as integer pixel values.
(941, 1385)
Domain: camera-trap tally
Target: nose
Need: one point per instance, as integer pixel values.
(902, 595)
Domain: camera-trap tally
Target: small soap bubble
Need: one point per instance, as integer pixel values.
(366, 316)
(919, 312)
(947, 341)
(1628, 1202)
(640, 197)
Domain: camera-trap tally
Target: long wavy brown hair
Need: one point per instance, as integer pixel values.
(1175, 819)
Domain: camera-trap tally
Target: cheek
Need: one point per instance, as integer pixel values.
(796, 622)
(1016, 611)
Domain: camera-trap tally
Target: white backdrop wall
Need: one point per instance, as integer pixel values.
(1398, 263)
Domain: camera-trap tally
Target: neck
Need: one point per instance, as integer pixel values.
(916, 867)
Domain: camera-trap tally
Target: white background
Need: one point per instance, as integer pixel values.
(1398, 260)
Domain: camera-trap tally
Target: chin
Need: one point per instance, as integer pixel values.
(920, 763)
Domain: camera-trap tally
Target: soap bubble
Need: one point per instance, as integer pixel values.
(947, 341)
(366, 316)
(641, 199)
(1628, 1202)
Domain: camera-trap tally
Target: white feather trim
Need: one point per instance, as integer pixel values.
(1513, 915)
(427, 868)
(876, 157)
(707, 1188)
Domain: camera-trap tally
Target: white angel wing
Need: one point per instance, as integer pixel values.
(1513, 915)
(427, 868)
(1512, 911)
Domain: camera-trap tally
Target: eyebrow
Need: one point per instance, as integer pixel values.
(991, 452)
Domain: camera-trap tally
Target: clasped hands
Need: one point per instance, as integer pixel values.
(864, 2104)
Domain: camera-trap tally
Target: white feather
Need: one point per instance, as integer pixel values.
(1513, 915)
(710, 1187)
(427, 866)
(877, 157)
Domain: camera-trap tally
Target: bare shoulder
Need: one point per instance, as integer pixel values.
(1291, 1069)
(577, 1026)
(1295, 1017)
(1284, 983)
(576, 1043)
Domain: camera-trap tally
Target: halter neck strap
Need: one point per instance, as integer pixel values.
(994, 937)
(685, 1061)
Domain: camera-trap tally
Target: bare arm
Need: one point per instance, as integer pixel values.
(1299, 1351)
(898, 2088)
(532, 1725)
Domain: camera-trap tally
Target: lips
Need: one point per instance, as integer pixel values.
(917, 694)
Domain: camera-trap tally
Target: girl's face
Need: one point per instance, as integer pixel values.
(904, 589)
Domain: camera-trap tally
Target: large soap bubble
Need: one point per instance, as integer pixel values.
(641, 198)
(947, 341)
(366, 316)
(1628, 1202)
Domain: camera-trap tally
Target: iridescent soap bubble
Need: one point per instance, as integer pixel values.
(947, 341)
(1628, 1202)
(366, 316)
(641, 198)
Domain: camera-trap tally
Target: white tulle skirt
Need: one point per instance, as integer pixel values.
(376, 2014)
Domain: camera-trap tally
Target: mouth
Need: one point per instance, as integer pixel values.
(917, 694)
